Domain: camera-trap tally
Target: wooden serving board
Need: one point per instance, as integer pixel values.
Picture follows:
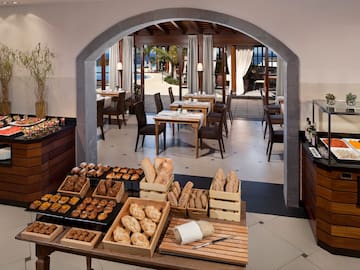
(233, 251)
(32, 236)
(80, 244)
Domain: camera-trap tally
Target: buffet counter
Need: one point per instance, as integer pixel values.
(33, 165)
(331, 196)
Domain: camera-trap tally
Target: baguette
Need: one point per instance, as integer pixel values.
(149, 170)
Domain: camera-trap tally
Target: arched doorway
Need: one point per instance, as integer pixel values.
(86, 96)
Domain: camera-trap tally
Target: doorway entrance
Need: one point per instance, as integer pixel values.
(86, 83)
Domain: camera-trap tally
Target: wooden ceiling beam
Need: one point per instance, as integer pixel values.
(178, 27)
(161, 28)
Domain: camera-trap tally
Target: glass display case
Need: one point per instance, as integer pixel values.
(344, 147)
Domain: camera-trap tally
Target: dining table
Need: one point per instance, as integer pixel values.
(109, 92)
(194, 119)
(202, 98)
(107, 100)
(192, 105)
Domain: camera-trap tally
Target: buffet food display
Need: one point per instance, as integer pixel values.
(130, 224)
(345, 149)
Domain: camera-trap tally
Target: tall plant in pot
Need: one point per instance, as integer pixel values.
(7, 61)
(39, 64)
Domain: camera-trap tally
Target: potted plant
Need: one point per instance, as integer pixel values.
(330, 99)
(7, 61)
(350, 100)
(39, 64)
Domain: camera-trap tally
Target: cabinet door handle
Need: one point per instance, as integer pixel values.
(346, 176)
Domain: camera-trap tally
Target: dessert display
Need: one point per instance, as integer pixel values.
(94, 209)
(53, 203)
(354, 143)
(75, 185)
(9, 130)
(41, 231)
(82, 238)
(90, 169)
(334, 142)
(109, 189)
(137, 226)
(27, 121)
(344, 149)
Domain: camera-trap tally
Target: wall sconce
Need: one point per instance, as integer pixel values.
(200, 70)
(119, 67)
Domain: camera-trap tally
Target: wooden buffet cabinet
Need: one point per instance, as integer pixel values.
(331, 196)
(37, 165)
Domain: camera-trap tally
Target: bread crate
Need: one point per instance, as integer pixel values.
(109, 242)
(198, 213)
(154, 191)
(118, 196)
(80, 194)
(67, 240)
(225, 205)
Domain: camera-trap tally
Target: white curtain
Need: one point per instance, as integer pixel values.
(281, 78)
(128, 62)
(208, 84)
(228, 76)
(113, 72)
(192, 62)
(243, 61)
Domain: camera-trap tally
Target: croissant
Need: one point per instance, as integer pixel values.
(140, 240)
(136, 211)
(131, 223)
(148, 226)
(121, 235)
(153, 213)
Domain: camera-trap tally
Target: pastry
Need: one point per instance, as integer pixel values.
(102, 216)
(204, 200)
(135, 177)
(191, 203)
(81, 206)
(90, 207)
(108, 209)
(136, 211)
(99, 208)
(83, 165)
(148, 226)
(63, 199)
(124, 170)
(140, 240)
(188, 186)
(149, 170)
(103, 202)
(95, 201)
(55, 206)
(83, 214)
(75, 170)
(75, 213)
(131, 171)
(101, 190)
(91, 166)
(64, 208)
(118, 176)
(153, 213)
(92, 215)
(184, 198)
(87, 200)
(108, 183)
(35, 204)
(131, 223)
(110, 175)
(121, 235)
(116, 169)
(126, 176)
(139, 171)
(46, 197)
(111, 203)
(44, 206)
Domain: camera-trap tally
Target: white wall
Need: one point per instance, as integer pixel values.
(323, 33)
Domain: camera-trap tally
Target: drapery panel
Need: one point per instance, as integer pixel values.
(280, 76)
(192, 61)
(113, 72)
(128, 62)
(243, 61)
(208, 75)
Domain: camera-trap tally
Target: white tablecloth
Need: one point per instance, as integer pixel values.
(167, 114)
(192, 103)
(107, 102)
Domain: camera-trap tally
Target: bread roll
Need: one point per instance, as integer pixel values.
(172, 199)
(187, 188)
(206, 227)
(184, 198)
(204, 200)
(149, 170)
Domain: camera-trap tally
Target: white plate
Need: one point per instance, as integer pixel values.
(27, 125)
(345, 153)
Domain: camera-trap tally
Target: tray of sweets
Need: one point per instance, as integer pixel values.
(54, 205)
(130, 176)
(81, 238)
(9, 131)
(42, 231)
(27, 122)
(94, 213)
(335, 142)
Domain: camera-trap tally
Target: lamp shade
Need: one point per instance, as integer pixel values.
(119, 66)
(200, 67)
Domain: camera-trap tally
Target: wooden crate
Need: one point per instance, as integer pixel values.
(80, 194)
(225, 215)
(178, 212)
(80, 244)
(223, 195)
(197, 213)
(153, 195)
(226, 205)
(155, 186)
(118, 247)
(42, 237)
(118, 196)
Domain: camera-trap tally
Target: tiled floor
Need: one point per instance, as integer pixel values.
(275, 242)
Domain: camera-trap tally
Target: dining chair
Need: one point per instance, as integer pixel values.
(143, 127)
(100, 118)
(274, 111)
(216, 114)
(117, 109)
(158, 103)
(171, 95)
(228, 107)
(275, 136)
(214, 130)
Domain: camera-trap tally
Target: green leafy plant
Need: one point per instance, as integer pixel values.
(350, 99)
(39, 64)
(7, 61)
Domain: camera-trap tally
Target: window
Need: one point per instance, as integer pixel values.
(259, 57)
(99, 69)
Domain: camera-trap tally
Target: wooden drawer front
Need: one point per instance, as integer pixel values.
(338, 242)
(338, 208)
(338, 219)
(337, 196)
(339, 175)
(338, 185)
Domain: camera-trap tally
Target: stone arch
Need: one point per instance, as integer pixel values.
(85, 83)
